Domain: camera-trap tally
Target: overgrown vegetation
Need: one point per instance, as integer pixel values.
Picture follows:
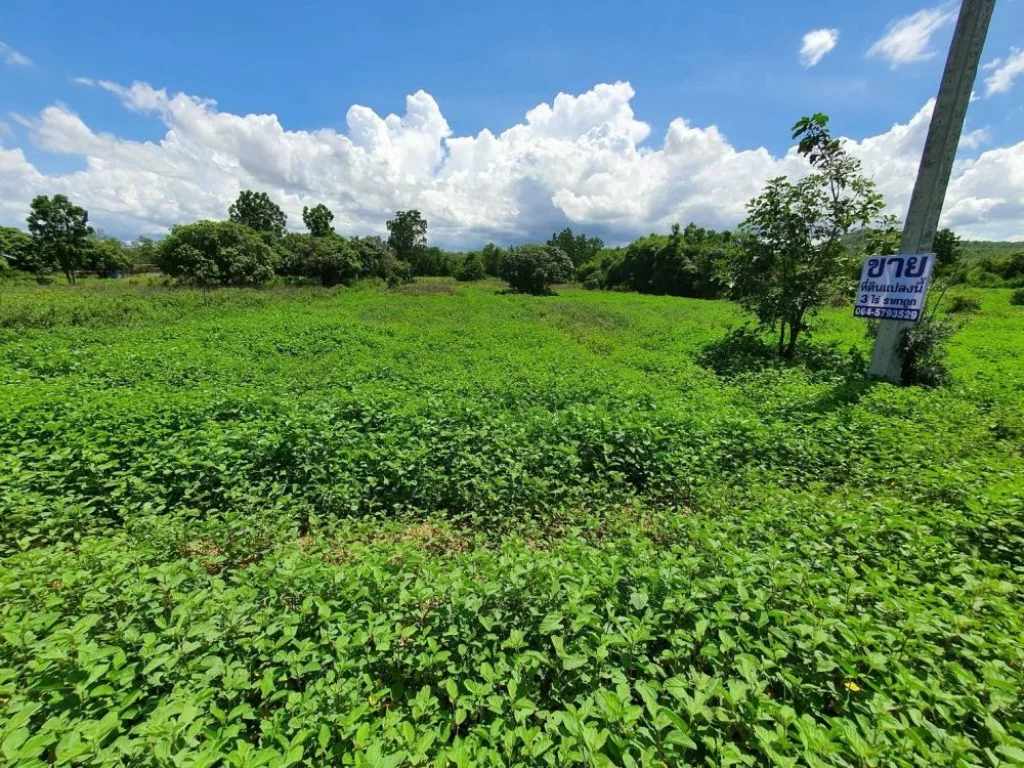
(353, 526)
(535, 268)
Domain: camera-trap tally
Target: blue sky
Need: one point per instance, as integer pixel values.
(735, 66)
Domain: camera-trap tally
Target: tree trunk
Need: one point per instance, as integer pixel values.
(795, 326)
(782, 336)
(70, 274)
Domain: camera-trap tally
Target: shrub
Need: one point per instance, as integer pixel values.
(107, 257)
(329, 259)
(923, 353)
(377, 259)
(228, 254)
(472, 268)
(1017, 298)
(534, 268)
(963, 304)
(492, 257)
(594, 281)
(682, 264)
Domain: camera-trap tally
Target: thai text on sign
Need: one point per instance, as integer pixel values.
(894, 287)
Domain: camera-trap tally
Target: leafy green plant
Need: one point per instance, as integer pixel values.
(294, 526)
(216, 252)
(535, 268)
(472, 269)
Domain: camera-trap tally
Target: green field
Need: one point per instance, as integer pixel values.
(439, 525)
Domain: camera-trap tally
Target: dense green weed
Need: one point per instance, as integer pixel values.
(450, 527)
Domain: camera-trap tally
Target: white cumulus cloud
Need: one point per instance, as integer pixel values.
(581, 160)
(816, 44)
(1004, 72)
(908, 39)
(12, 57)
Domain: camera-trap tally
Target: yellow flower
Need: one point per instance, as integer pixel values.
(852, 686)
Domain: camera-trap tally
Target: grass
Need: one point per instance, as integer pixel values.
(442, 526)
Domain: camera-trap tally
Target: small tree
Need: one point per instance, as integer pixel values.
(329, 259)
(60, 235)
(258, 212)
(107, 257)
(407, 234)
(471, 269)
(949, 250)
(318, 220)
(492, 256)
(794, 258)
(238, 255)
(534, 268)
(16, 248)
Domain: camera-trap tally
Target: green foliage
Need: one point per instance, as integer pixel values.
(682, 264)
(297, 526)
(318, 220)
(258, 212)
(472, 268)
(216, 253)
(923, 352)
(795, 258)
(492, 257)
(60, 235)
(328, 259)
(107, 257)
(431, 261)
(949, 252)
(579, 248)
(16, 249)
(1017, 298)
(407, 235)
(535, 268)
(963, 304)
(142, 253)
(378, 260)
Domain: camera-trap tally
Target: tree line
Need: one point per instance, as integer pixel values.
(799, 248)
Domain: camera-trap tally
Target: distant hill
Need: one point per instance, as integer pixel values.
(974, 250)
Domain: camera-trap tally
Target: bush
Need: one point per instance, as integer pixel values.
(329, 259)
(1017, 298)
(108, 257)
(534, 268)
(923, 353)
(963, 304)
(472, 269)
(682, 264)
(216, 253)
(594, 281)
(376, 258)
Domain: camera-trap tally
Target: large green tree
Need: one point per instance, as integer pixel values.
(407, 234)
(318, 220)
(60, 235)
(258, 212)
(794, 258)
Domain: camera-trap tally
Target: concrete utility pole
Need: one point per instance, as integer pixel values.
(936, 162)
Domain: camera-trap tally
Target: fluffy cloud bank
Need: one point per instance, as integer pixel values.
(580, 160)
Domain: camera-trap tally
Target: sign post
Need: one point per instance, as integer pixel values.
(936, 165)
(894, 287)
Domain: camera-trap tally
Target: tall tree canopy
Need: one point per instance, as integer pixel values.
(407, 234)
(258, 212)
(795, 258)
(60, 235)
(318, 220)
